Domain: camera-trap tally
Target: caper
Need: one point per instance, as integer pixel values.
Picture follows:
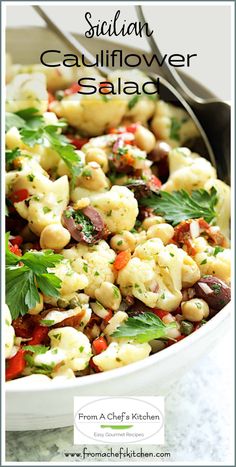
(62, 303)
(186, 327)
(74, 302)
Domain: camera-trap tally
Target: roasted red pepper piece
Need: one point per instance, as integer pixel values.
(15, 365)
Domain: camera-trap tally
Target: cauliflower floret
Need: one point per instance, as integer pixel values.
(118, 208)
(48, 158)
(188, 171)
(223, 204)
(96, 263)
(68, 347)
(172, 124)
(71, 280)
(92, 114)
(57, 77)
(49, 202)
(210, 261)
(27, 91)
(144, 108)
(120, 354)
(156, 274)
(9, 332)
(29, 176)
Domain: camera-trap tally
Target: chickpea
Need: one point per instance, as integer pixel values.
(174, 332)
(81, 203)
(54, 236)
(108, 295)
(153, 220)
(163, 231)
(195, 309)
(98, 155)
(93, 177)
(38, 307)
(123, 241)
(144, 139)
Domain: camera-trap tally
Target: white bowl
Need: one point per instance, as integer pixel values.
(38, 404)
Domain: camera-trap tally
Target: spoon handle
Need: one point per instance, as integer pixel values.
(169, 73)
(70, 40)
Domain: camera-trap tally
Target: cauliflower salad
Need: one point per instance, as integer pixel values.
(117, 241)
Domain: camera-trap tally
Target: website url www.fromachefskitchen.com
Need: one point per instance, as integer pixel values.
(119, 453)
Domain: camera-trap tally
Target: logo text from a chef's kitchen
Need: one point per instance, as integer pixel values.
(119, 420)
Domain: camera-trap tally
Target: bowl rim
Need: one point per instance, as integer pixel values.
(88, 380)
(167, 353)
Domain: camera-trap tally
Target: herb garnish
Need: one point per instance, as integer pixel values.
(21, 289)
(143, 328)
(33, 130)
(180, 205)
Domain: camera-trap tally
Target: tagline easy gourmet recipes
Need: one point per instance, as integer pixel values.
(117, 234)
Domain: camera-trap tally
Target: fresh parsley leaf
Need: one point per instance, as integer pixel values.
(23, 282)
(174, 129)
(11, 154)
(49, 284)
(33, 130)
(21, 291)
(39, 261)
(180, 205)
(13, 120)
(38, 349)
(31, 136)
(143, 328)
(31, 117)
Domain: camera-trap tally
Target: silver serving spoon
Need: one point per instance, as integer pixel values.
(213, 114)
(168, 90)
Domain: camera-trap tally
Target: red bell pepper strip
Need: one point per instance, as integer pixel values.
(19, 195)
(17, 240)
(160, 313)
(15, 365)
(122, 259)
(99, 345)
(39, 334)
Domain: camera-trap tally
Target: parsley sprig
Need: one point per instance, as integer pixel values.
(33, 130)
(180, 205)
(143, 328)
(23, 280)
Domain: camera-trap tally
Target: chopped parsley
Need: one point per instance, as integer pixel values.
(132, 102)
(217, 249)
(31, 177)
(116, 292)
(37, 349)
(216, 288)
(46, 209)
(204, 261)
